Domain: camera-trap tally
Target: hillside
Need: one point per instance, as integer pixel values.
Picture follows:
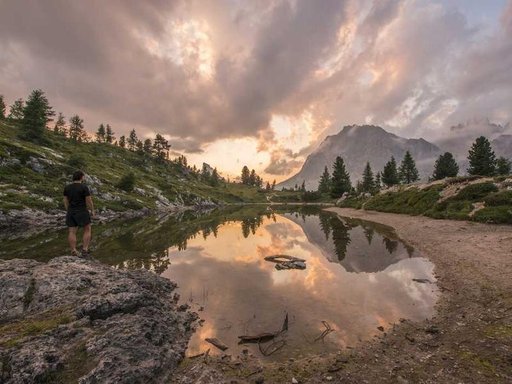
(359, 144)
(33, 176)
(487, 200)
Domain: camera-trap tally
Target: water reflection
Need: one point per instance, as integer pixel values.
(358, 276)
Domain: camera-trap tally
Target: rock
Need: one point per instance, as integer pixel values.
(259, 380)
(295, 381)
(34, 164)
(432, 329)
(380, 328)
(329, 378)
(101, 324)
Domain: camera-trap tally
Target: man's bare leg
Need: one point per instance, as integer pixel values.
(72, 238)
(87, 237)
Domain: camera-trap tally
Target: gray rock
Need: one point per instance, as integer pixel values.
(102, 324)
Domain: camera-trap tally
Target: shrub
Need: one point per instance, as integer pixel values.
(77, 162)
(475, 192)
(499, 198)
(311, 196)
(495, 215)
(127, 182)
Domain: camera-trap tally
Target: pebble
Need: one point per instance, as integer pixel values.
(295, 381)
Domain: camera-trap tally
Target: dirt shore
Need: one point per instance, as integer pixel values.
(469, 340)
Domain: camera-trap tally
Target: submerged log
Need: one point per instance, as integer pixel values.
(217, 343)
(282, 258)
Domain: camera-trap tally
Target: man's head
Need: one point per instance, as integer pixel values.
(78, 176)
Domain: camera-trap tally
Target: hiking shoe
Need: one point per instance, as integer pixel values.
(86, 254)
(74, 253)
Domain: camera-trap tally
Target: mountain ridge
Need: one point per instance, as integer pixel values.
(357, 144)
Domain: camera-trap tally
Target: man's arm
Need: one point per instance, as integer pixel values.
(90, 205)
(66, 203)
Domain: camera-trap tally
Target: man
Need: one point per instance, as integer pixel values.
(78, 203)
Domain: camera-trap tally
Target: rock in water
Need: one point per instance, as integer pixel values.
(75, 320)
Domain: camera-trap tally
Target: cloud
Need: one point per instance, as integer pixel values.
(201, 72)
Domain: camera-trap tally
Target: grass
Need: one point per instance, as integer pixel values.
(14, 333)
(21, 186)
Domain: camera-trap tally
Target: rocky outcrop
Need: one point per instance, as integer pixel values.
(75, 320)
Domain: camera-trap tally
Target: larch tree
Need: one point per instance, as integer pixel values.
(445, 166)
(132, 140)
(340, 182)
(76, 129)
(100, 134)
(408, 173)
(482, 160)
(368, 183)
(122, 141)
(390, 173)
(109, 135)
(324, 185)
(161, 147)
(36, 114)
(60, 125)
(246, 174)
(16, 110)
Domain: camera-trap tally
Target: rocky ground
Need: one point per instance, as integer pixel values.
(469, 340)
(73, 320)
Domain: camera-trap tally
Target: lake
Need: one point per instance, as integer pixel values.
(358, 276)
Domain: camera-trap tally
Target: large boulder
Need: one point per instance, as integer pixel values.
(75, 320)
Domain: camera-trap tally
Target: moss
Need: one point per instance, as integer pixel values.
(29, 294)
(499, 331)
(478, 362)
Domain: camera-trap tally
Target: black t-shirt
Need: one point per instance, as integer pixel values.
(76, 194)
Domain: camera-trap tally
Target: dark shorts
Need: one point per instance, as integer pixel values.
(78, 219)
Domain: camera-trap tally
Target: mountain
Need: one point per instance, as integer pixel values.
(359, 144)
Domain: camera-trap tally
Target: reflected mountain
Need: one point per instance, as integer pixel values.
(355, 244)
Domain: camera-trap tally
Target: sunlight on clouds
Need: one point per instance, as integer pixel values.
(187, 44)
(296, 132)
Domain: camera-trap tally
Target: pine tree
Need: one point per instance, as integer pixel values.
(482, 160)
(368, 183)
(214, 178)
(378, 182)
(148, 147)
(324, 186)
(139, 147)
(36, 114)
(76, 129)
(100, 134)
(408, 173)
(2, 107)
(16, 110)
(122, 141)
(132, 140)
(109, 135)
(273, 185)
(60, 125)
(161, 147)
(245, 175)
(205, 173)
(267, 187)
(252, 178)
(390, 173)
(340, 182)
(445, 166)
(503, 166)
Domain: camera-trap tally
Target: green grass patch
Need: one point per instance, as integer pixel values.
(494, 215)
(412, 201)
(475, 192)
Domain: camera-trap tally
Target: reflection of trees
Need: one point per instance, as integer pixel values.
(391, 245)
(331, 224)
(368, 233)
(250, 225)
(340, 237)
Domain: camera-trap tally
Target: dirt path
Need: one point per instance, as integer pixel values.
(468, 341)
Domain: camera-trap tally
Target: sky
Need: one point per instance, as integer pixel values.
(261, 83)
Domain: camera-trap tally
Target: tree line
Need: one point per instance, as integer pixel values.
(481, 157)
(35, 114)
